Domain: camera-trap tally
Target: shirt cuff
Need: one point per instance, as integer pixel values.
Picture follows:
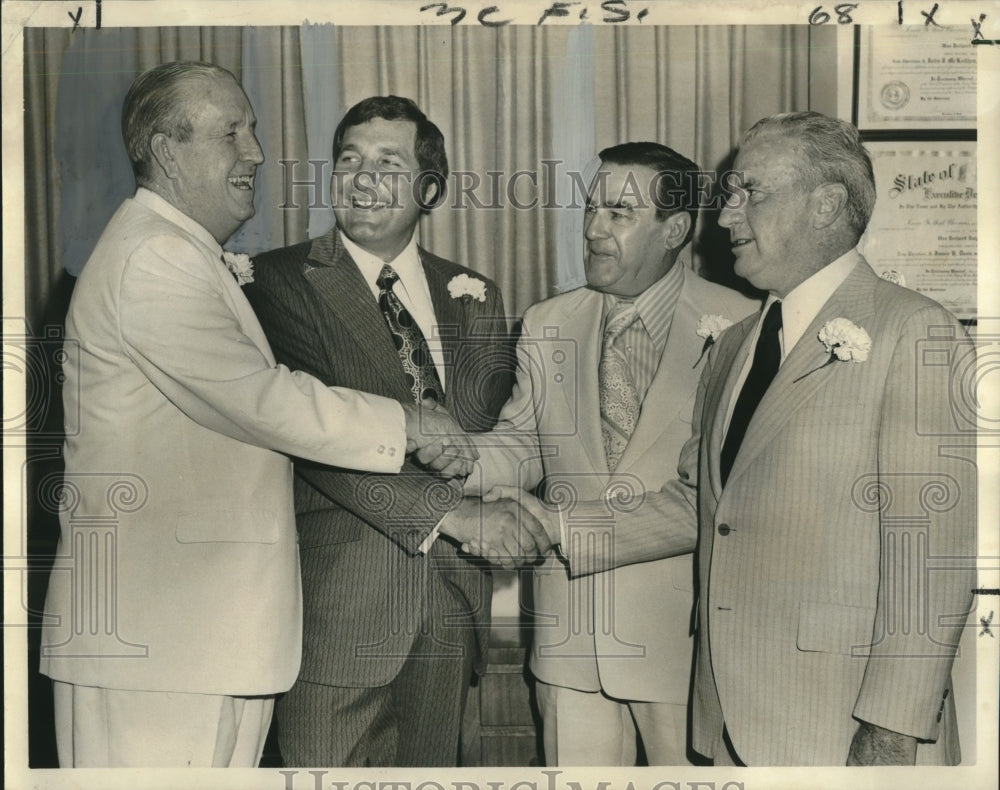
(425, 545)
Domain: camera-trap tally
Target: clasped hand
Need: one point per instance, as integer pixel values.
(507, 527)
(437, 441)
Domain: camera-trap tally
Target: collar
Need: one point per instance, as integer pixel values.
(154, 202)
(656, 304)
(407, 263)
(803, 303)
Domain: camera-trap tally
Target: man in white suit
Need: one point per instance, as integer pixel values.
(611, 652)
(835, 509)
(173, 613)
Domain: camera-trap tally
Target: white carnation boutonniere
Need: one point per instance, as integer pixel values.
(240, 265)
(844, 341)
(893, 276)
(463, 285)
(710, 327)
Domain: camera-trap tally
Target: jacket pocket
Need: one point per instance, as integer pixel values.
(834, 628)
(227, 526)
(682, 573)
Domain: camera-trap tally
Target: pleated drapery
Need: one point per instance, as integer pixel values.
(523, 110)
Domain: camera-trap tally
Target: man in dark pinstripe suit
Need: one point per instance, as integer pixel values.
(395, 619)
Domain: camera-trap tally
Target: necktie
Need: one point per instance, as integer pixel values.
(766, 358)
(618, 395)
(421, 375)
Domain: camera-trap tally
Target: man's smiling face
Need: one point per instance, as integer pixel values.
(373, 186)
(626, 243)
(214, 182)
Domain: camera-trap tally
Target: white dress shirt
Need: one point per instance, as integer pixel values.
(643, 341)
(412, 290)
(798, 309)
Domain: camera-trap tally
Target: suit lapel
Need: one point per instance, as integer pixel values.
(450, 316)
(732, 354)
(335, 276)
(798, 379)
(581, 325)
(237, 301)
(449, 311)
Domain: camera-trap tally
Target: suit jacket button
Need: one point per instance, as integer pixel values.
(381, 449)
(724, 529)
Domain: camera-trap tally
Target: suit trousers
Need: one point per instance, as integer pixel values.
(725, 753)
(116, 728)
(591, 728)
(414, 720)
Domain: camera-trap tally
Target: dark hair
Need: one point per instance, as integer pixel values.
(676, 179)
(154, 104)
(429, 145)
(831, 152)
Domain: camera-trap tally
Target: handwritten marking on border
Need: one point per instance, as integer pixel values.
(929, 17)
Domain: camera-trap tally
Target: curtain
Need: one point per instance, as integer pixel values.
(76, 175)
(534, 105)
(522, 110)
(77, 171)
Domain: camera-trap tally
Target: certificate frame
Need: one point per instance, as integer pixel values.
(902, 84)
(923, 231)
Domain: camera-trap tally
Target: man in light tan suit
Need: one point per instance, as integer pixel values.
(174, 609)
(611, 653)
(835, 508)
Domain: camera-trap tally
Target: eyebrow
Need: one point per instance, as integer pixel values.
(382, 150)
(612, 205)
(236, 123)
(746, 182)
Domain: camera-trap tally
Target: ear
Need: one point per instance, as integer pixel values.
(430, 192)
(163, 153)
(830, 202)
(676, 228)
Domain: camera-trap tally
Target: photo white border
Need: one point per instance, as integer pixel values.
(138, 13)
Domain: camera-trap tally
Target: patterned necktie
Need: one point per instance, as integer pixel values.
(766, 359)
(619, 397)
(418, 364)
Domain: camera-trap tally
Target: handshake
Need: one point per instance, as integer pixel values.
(508, 527)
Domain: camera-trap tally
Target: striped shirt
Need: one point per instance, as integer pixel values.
(643, 342)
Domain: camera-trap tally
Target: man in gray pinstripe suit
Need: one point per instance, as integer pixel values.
(395, 621)
(829, 484)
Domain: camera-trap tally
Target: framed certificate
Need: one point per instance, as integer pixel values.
(923, 231)
(914, 77)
